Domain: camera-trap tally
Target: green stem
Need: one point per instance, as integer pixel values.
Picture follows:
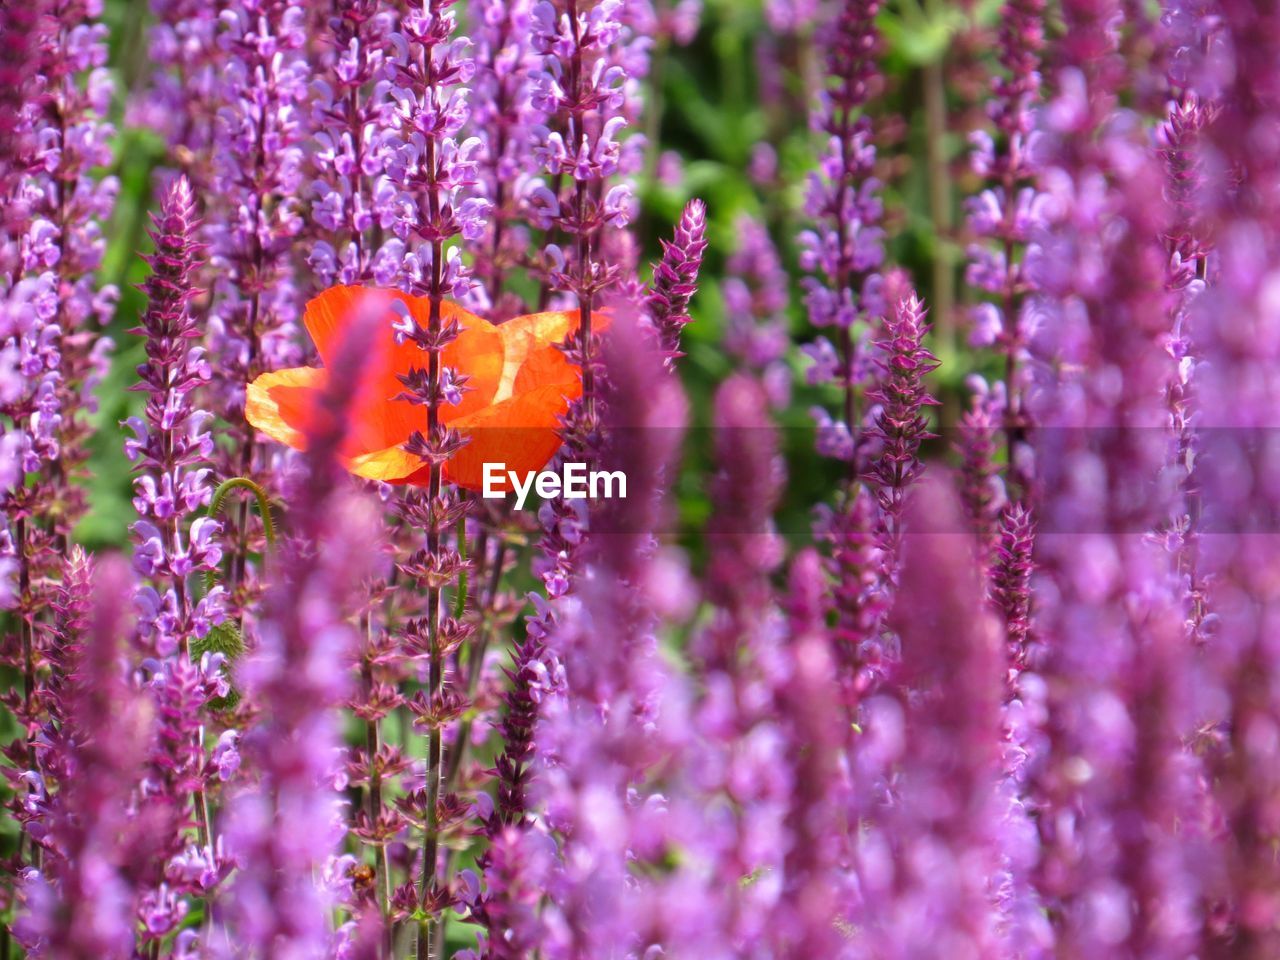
(460, 601)
(264, 511)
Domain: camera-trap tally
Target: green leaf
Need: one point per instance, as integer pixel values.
(226, 639)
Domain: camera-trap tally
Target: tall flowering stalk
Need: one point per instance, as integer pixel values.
(56, 137)
(37, 764)
(583, 95)
(67, 236)
(21, 27)
(1229, 57)
(500, 899)
(172, 444)
(183, 93)
(438, 169)
(1011, 569)
(28, 354)
(842, 252)
(503, 116)
(587, 90)
(982, 490)
(1192, 35)
(258, 153)
(517, 867)
(844, 247)
(51, 353)
(360, 220)
(756, 294)
(742, 659)
(1003, 218)
(353, 201)
(901, 425)
(537, 672)
(172, 448)
(810, 701)
(598, 738)
(864, 531)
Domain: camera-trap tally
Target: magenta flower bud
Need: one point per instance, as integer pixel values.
(902, 398)
(675, 278)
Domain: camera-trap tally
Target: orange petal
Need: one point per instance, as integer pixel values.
(534, 357)
(477, 352)
(519, 385)
(532, 339)
(550, 327)
(282, 403)
(375, 421)
(391, 465)
(545, 365)
(520, 432)
(329, 314)
(553, 326)
(378, 420)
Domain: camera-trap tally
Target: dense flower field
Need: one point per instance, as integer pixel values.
(928, 357)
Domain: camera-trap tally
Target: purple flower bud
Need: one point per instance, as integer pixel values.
(675, 278)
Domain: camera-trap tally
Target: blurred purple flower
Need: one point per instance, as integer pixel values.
(81, 903)
(928, 846)
(284, 830)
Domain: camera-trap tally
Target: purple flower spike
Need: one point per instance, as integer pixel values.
(503, 117)
(756, 294)
(675, 278)
(172, 448)
(1011, 571)
(843, 250)
(185, 92)
(1004, 216)
(606, 727)
(438, 171)
(1225, 56)
(53, 354)
(254, 218)
(1114, 667)
(983, 492)
(352, 201)
(902, 399)
(810, 713)
(584, 95)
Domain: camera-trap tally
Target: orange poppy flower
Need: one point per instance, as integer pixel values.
(519, 386)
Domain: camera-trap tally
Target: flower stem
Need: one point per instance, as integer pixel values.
(264, 511)
(428, 936)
